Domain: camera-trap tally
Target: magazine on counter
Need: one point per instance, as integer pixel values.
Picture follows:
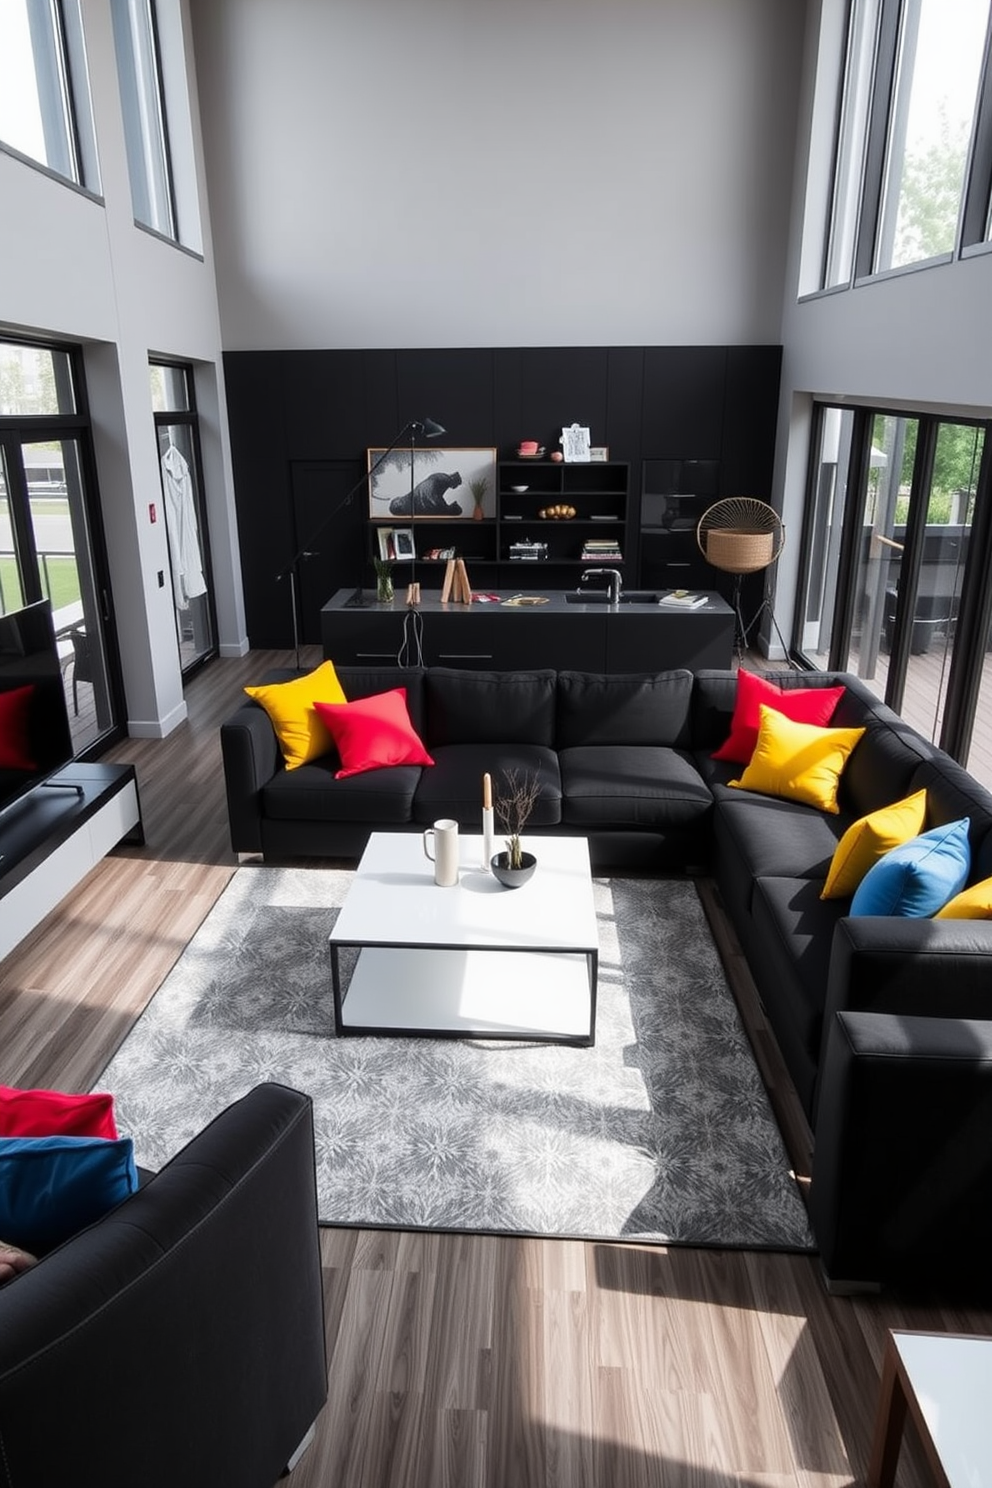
(683, 599)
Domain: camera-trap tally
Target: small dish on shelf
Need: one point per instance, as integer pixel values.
(520, 489)
(537, 454)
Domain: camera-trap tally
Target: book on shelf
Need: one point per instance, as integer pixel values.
(599, 551)
(683, 599)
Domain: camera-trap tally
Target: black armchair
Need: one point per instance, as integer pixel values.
(181, 1339)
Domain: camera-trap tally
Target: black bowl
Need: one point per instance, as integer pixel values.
(512, 878)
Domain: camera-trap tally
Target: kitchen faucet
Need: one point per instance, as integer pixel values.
(614, 586)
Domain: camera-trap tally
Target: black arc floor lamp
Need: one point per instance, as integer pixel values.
(426, 428)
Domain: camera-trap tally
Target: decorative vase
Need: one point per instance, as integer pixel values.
(384, 588)
(512, 878)
(478, 513)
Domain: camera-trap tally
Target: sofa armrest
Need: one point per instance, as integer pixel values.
(251, 756)
(901, 1191)
(181, 1338)
(936, 968)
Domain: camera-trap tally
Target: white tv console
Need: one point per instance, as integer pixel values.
(51, 839)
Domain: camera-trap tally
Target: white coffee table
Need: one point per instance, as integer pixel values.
(944, 1382)
(474, 961)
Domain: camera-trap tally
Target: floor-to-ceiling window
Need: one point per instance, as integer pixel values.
(51, 544)
(182, 496)
(892, 552)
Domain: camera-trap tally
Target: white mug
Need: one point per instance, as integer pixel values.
(445, 854)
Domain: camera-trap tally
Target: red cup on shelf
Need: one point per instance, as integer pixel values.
(528, 446)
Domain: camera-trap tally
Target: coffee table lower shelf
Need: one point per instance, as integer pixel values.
(442, 992)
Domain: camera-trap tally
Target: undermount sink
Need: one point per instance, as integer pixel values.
(599, 596)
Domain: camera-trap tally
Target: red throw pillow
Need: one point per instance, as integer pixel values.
(51, 1113)
(800, 704)
(372, 733)
(15, 733)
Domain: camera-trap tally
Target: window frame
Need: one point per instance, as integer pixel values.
(973, 232)
(152, 190)
(66, 76)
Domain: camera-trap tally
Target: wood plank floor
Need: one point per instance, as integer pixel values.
(475, 1360)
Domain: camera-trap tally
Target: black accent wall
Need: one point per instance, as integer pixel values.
(301, 421)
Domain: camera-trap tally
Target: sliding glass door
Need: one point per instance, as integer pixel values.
(50, 538)
(890, 557)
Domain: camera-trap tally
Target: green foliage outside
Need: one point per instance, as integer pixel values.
(955, 468)
(930, 194)
(63, 581)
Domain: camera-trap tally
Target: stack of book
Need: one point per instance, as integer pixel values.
(605, 550)
(683, 599)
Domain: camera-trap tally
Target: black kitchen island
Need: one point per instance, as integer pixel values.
(531, 628)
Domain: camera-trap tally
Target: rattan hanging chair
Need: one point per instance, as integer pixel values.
(740, 535)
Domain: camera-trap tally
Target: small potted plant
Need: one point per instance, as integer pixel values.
(479, 488)
(512, 807)
(383, 579)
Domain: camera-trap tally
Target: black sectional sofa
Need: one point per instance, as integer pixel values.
(180, 1339)
(885, 1024)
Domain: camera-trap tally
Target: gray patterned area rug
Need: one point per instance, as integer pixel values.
(660, 1132)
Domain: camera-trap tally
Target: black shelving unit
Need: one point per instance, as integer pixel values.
(599, 494)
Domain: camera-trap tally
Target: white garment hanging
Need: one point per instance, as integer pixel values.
(180, 521)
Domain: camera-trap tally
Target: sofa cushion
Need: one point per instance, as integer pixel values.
(789, 953)
(382, 798)
(778, 838)
(51, 1187)
(641, 709)
(919, 877)
(870, 838)
(454, 787)
(302, 734)
(623, 786)
(952, 793)
(798, 761)
(51, 1113)
(366, 681)
(814, 705)
(882, 769)
(465, 707)
(373, 733)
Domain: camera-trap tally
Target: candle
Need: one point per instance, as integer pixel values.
(487, 820)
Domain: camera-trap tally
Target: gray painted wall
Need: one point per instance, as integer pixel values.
(529, 172)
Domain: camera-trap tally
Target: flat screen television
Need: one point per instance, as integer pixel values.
(35, 737)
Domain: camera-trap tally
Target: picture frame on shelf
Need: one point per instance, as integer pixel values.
(404, 546)
(599, 454)
(446, 483)
(385, 537)
(575, 444)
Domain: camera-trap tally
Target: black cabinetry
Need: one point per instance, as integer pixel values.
(674, 495)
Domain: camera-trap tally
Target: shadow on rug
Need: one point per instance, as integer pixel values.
(661, 1132)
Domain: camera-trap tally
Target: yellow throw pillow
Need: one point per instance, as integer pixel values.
(798, 761)
(971, 904)
(869, 839)
(302, 734)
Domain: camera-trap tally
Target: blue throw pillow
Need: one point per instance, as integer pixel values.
(919, 877)
(51, 1187)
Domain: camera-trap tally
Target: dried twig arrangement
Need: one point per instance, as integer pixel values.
(513, 805)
